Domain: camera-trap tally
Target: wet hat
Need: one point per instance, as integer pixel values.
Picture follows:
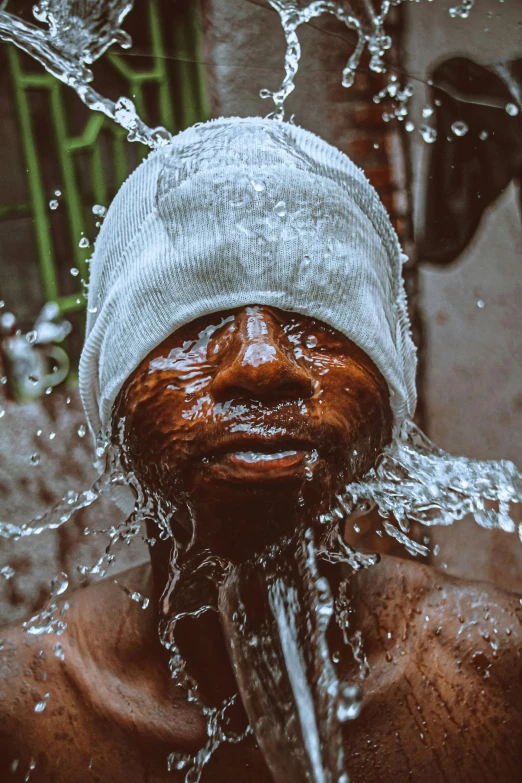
(241, 211)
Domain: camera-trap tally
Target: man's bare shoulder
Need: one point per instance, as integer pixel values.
(420, 603)
(96, 687)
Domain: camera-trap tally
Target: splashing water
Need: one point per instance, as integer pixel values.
(78, 34)
(416, 481)
(357, 15)
(51, 618)
(275, 613)
(463, 10)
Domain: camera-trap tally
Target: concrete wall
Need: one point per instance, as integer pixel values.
(473, 389)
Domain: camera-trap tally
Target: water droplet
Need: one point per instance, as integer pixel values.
(512, 109)
(7, 572)
(409, 126)
(258, 185)
(40, 706)
(57, 193)
(459, 128)
(92, 309)
(32, 336)
(280, 209)
(350, 700)
(58, 651)
(84, 242)
(99, 210)
(82, 430)
(53, 204)
(35, 459)
(427, 112)
(52, 435)
(428, 134)
(483, 135)
(480, 303)
(75, 272)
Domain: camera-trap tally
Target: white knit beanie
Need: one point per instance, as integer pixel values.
(235, 212)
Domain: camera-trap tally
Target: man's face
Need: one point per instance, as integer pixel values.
(254, 410)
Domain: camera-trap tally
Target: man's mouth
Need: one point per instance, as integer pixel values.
(262, 461)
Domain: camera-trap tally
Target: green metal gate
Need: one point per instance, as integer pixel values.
(84, 156)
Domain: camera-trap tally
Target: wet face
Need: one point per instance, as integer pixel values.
(250, 418)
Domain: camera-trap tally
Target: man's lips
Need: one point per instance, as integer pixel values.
(260, 459)
(262, 462)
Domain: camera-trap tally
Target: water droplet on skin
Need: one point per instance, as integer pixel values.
(280, 209)
(53, 204)
(40, 706)
(52, 435)
(350, 700)
(32, 336)
(512, 109)
(427, 112)
(82, 430)
(7, 572)
(459, 128)
(84, 242)
(480, 303)
(58, 651)
(35, 459)
(409, 126)
(428, 134)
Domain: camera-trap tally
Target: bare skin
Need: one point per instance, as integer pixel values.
(443, 699)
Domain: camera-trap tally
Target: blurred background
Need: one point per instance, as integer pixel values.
(446, 162)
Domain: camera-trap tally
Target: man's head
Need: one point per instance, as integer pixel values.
(234, 215)
(253, 412)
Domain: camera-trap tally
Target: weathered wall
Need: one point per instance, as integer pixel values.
(473, 379)
(28, 489)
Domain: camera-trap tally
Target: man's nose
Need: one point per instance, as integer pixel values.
(260, 362)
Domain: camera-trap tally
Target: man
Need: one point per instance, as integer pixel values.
(248, 340)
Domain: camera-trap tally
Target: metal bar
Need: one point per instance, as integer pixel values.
(38, 201)
(158, 51)
(72, 197)
(71, 303)
(89, 135)
(98, 179)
